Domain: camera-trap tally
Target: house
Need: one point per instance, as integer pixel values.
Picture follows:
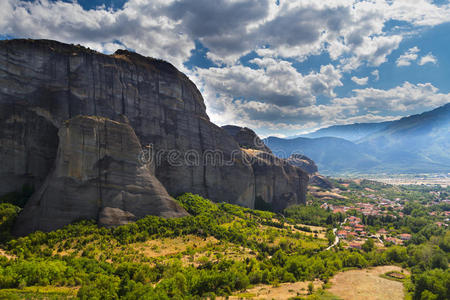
(354, 245)
(354, 219)
(338, 210)
(352, 234)
(382, 231)
(347, 228)
(393, 240)
(405, 236)
(342, 234)
(440, 224)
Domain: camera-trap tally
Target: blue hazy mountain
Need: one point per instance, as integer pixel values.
(351, 132)
(415, 144)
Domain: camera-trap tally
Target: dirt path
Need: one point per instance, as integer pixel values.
(367, 284)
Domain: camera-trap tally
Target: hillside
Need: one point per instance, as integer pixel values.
(227, 250)
(414, 144)
(332, 155)
(351, 132)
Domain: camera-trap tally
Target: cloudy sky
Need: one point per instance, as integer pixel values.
(280, 67)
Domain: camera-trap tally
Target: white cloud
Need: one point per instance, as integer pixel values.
(276, 81)
(408, 57)
(276, 95)
(360, 81)
(376, 75)
(365, 105)
(402, 98)
(429, 58)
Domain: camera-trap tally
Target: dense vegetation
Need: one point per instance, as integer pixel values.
(227, 248)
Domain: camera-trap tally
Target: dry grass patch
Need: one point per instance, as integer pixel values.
(282, 291)
(173, 246)
(367, 284)
(8, 256)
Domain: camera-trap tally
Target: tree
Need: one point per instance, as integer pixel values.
(331, 237)
(368, 246)
(310, 288)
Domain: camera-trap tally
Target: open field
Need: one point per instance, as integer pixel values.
(367, 284)
(281, 292)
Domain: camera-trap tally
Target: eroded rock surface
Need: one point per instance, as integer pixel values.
(278, 183)
(308, 165)
(45, 83)
(97, 175)
(303, 162)
(246, 138)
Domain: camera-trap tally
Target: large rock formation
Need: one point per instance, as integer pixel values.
(277, 182)
(97, 175)
(303, 162)
(44, 83)
(308, 165)
(246, 138)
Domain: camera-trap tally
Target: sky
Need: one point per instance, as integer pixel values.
(279, 67)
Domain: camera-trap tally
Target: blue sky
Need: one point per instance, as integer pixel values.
(279, 67)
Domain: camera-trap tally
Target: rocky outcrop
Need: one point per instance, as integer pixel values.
(97, 175)
(246, 138)
(277, 182)
(55, 82)
(308, 165)
(303, 162)
(320, 181)
(44, 83)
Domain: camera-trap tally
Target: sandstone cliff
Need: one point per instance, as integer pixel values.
(246, 138)
(278, 183)
(308, 165)
(97, 175)
(45, 83)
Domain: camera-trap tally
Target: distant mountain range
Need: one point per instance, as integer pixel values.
(415, 144)
(351, 132)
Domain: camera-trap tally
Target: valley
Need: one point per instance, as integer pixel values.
(223, 249)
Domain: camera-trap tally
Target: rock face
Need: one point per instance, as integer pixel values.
(303, 162)
(246, 138)
(45, 83)
(320, 181)
(308, 165)
(277, 182)
(97, 175)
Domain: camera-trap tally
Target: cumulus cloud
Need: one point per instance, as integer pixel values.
(275, 81)
(429, 58)
(352, 33)
(360, 81)
(365, 105)
(408, 57)
(399, 99)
